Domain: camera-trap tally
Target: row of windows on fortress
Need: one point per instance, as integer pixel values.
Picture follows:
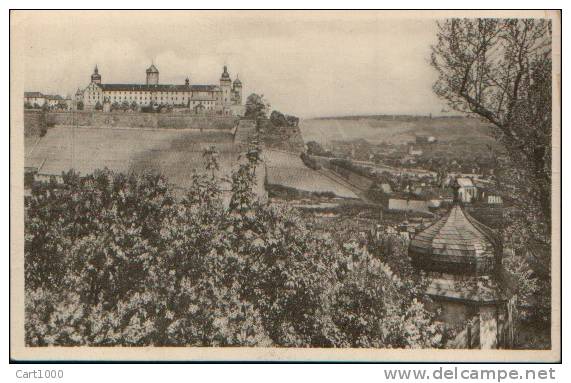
(228, 93)
(93, 98)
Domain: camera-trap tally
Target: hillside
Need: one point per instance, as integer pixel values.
(287, 169)
(397, 130)
(176, 154)
(288, 138)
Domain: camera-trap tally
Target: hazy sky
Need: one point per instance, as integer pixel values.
(308, 64)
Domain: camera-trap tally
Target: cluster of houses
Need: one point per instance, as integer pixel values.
(37, 100)
(423, 197)
(414, 190)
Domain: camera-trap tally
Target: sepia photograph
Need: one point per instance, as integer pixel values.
(285, 185)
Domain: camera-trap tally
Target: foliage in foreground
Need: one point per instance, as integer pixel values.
(501, 71)
(112, 259)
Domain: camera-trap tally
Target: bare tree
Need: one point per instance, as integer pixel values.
(500, 69)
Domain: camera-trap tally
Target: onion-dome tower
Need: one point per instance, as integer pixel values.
(462, 259)
(96, 77)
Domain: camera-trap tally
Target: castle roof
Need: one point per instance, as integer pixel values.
(237, 81)
(152, 69)
(205, 88)
(159, 88)
(33, 94)
(53, 97)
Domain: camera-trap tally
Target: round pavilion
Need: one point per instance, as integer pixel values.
(462, 260)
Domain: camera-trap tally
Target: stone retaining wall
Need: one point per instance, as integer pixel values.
(140, 120)
(34, 123)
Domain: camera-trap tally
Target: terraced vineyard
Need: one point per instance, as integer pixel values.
(175, 154)
(287, 169)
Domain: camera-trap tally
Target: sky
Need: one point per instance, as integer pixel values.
(305, 63)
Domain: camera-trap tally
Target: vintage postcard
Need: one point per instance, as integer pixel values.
(285, 185)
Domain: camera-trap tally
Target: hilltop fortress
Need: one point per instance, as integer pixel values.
(223, 99)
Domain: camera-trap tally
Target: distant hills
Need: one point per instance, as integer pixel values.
(389, 117)
(395, 129)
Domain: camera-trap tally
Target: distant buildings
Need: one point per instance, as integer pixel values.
(494, 200)
(35, 100)
(386, 188)
(468, 192)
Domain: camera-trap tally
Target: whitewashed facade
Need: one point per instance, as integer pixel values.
(205, 98)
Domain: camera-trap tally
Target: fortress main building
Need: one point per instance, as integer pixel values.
(223, 99)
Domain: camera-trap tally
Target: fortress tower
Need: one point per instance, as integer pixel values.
(237, 90)
(226, 87)
(96, 77)
(152, 75)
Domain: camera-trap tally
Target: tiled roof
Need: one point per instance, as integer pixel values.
(159, 88)
(33, 94)
(456, 240)
(205, 88)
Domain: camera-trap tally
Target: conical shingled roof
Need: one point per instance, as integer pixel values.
(152, 69)
(456, 243)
